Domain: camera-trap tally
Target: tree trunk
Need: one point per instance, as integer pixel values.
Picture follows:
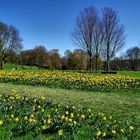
(107, 65)
(90, 64)
(96, 62)
(1, 64)
(107, 61)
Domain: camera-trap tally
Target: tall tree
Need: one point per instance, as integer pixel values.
(82, 34)
(10, 42)
(113, 34)
(97, 41)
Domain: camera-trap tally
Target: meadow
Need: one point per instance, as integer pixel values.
(40, 104)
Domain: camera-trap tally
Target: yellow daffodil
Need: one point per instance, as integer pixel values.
(30, 120)
(49, 121)
(67, 112)
(98, 133)
(44, 121)
(39, 106)
(122, 130)
(62, 117)
(60, 132)
(1, 122)
(104, 134)
(25, 118)
(66, 118)
(113, 131)
(74, 122)
(104, 118)
(70, 120)
(82, 116)
(43, 98)
(71, 115)
(32, 115)
(16, 119)
(131, 128)
(12, 116)
(43, 127)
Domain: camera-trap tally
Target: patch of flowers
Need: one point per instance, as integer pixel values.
(24, 114)
(69, 80)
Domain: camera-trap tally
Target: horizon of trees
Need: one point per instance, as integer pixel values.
(74, 60)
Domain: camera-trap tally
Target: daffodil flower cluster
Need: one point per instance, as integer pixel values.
(69, 80)
(24, 114)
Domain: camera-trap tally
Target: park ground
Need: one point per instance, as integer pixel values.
(120, 104)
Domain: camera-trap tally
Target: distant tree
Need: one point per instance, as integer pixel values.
(79, 57)
(82, 34)
(10, 42)
(113, 34)
(133, 54)
(76, 59)
(37, 56)
(64, 63)
(55, 58)
(65, 60)
(27, 57)
(40, 56)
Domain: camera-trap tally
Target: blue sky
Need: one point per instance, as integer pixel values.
(49, 22)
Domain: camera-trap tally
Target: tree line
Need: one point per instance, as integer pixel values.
(98, 36)
(74, 60)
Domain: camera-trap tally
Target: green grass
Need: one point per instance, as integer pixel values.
(117, 104)
(135, 74)
(120, 105)
(8, 66)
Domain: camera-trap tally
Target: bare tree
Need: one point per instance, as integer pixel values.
(113, 34)
(10, 42)
(82, 34)
(97, 41)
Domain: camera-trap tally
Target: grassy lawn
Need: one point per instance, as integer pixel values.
(135, 74)
(8, 66)
(121, 104)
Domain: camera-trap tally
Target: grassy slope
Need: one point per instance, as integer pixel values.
(9, 66)
(117, 104)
